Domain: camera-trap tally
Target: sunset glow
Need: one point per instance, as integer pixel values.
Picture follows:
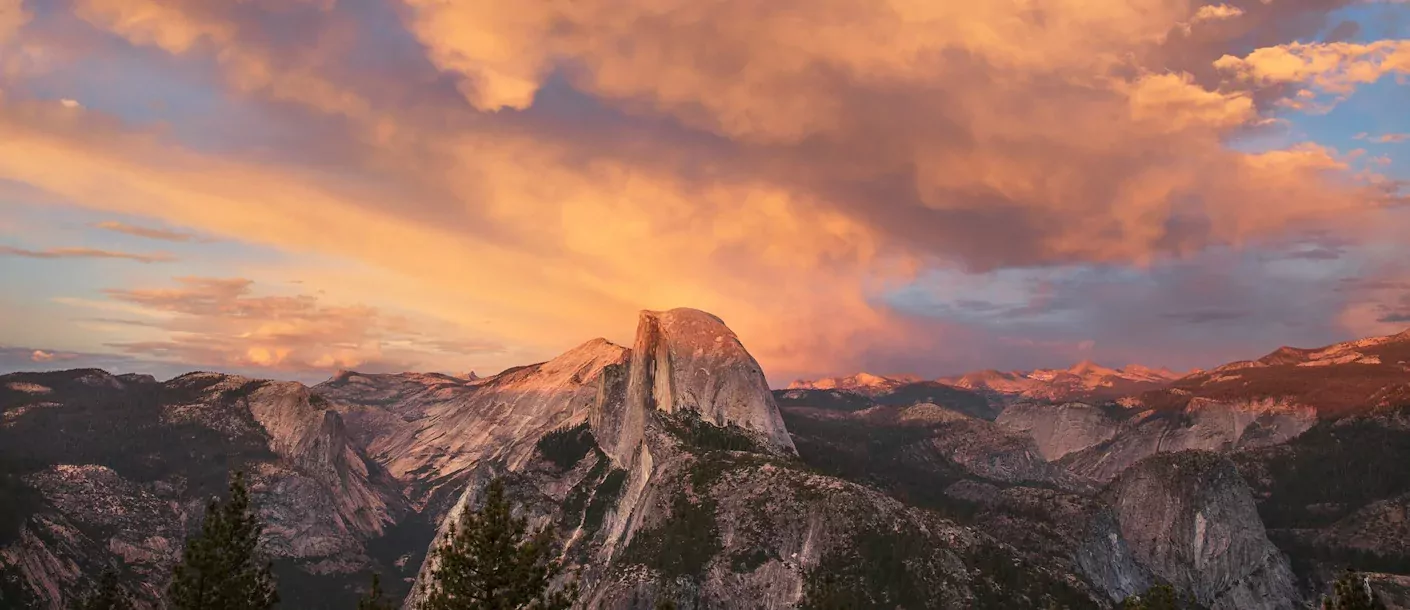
(286, 188)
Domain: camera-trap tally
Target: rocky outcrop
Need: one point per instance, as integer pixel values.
(925, 438)
(1075, 529)
(1064, 428)
(1191, 520)
(118, 471)
(1201, 425)
(685, 360)
(453, 426)
(96, 520)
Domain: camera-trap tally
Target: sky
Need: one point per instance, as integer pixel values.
(287, 188)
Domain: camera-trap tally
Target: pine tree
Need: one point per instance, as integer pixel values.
(108, 595)
(1352, 592)
(489, 561)
(221, 568)
(374, 600)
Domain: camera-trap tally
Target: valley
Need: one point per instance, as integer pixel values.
(672, 471)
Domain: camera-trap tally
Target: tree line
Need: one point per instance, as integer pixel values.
(488, 560)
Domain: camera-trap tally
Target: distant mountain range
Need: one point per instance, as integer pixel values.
(677, 474)
(1085, 380)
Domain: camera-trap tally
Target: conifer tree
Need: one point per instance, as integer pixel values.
(489, 561)
(108, 595)
(375, 600)
(222, 568)
(1352, 592)
(1159, 597)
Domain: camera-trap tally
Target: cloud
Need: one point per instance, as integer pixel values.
(1206, 316)
(837, 150)
(1211, 13)
(1216, 12)
(1378, 304)
(147, 232)
(43, 356)
(58, 253)
(1392, 138)
(221, 322)
(13, 16)
(1333, 69)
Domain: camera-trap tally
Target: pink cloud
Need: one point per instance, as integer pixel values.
(60, 253)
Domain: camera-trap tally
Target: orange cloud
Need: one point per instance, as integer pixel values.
(147, 232)
(1378, 307)
(1216, 12)
(219, 322)
(55, 253)
(13, 16)
(834, 150)
(183, 26)
(1335, 68)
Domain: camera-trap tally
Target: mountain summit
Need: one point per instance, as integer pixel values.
(861, 383)
(686, 361)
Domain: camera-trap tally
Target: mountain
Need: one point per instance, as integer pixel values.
(1085, 380)
(1191, 520)
(429, 431)
(684, 484)
(1100, 441)
(114, 471)
(865, 384)
(1317, 434)
(1337, 380)
(904, 395)
(1242, 405)
(671, 472)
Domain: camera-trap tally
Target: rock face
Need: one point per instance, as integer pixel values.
(1100, 441)
(431, 431)
(118, 470)
(925, 438)
(1061, 429)
(1337, 495)
(690, 491)
(685, 360)
(1190, 519)
(1202, 424)
(673, 477)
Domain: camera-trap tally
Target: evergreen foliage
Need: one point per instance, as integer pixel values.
(375, 599)
(1345, 464)
(108, 595)
(682, 545)
(1159, 597)
(490, 561)
(702, 436)
(1352, 592)
(878, 569)
(566, 446)
(221, 568)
